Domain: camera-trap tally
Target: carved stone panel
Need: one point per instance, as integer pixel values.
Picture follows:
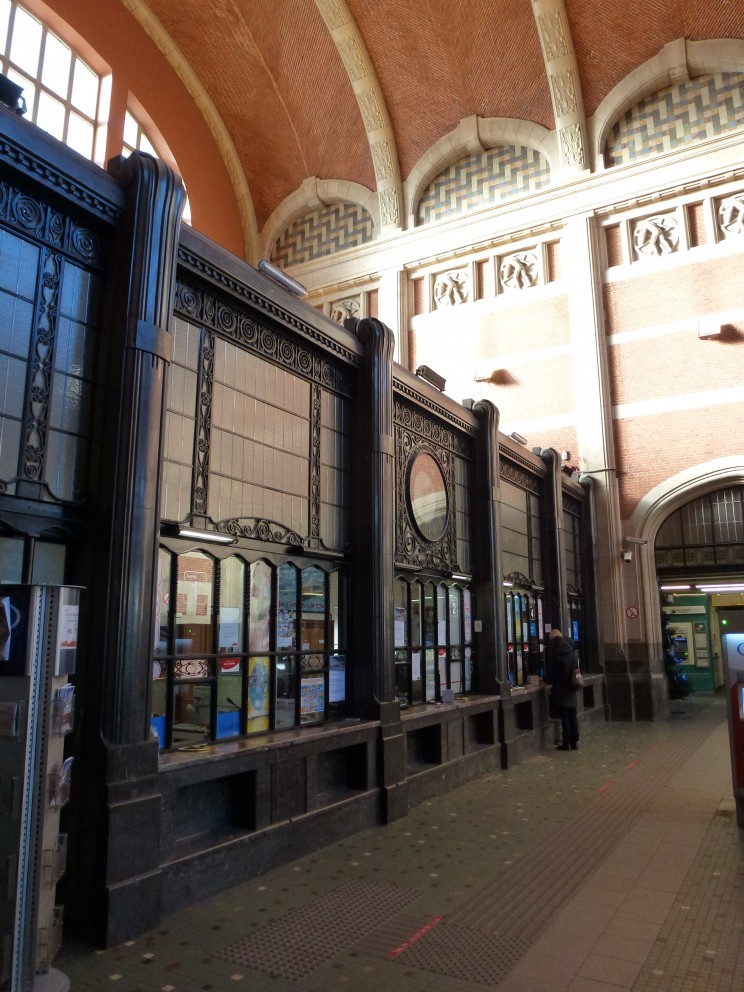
(451, 288)
(656, 236)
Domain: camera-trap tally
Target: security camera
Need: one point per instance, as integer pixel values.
(627, 557)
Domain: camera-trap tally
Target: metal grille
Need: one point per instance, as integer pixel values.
(306, 938)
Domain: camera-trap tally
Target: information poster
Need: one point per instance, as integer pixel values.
(337, 678)
(258, 694)
(312, 696)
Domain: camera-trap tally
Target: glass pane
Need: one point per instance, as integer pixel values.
(194, 615)
(163, 602)
(337, 678)
(80, 135)
(55, 69)
(400, 607)
(455, 620)
(51, 116)
(49, 563)
(312, 698)
(191, 722)
(25, 45)
(467, 616)
(157, 721)
(431, 686)
(441, 614)
(4, 19)
(85, 89)
(259, 696)
(11, 556)
(230, 627)
(430, 616)
(131, 130)
(285, 691)
(338, 639)
(415, 613)
(146, 146)
(313, 609)
(259, 633)
(286, 617)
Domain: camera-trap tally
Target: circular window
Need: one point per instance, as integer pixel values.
(427, 496)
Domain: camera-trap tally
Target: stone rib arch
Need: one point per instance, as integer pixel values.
(173, 55)
(677, 62)
(473, 136)
(656, 506)
(312, 195)
(353, 53)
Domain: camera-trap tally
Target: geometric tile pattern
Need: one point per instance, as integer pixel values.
(323, 232)
(481, 180)
(678, 115)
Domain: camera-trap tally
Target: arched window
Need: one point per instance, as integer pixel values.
(63, 94)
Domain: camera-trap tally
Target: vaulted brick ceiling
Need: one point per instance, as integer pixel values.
(275, 75)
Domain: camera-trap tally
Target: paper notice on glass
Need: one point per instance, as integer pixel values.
(416, 665)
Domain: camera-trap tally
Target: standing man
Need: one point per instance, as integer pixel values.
(563, 663)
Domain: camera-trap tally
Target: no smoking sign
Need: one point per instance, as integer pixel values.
(631, 612)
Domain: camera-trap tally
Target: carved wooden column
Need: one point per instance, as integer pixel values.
(373, 684)
(490, 668)
(118, 888)
(557, 598)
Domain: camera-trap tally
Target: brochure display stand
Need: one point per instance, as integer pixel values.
(38, 646)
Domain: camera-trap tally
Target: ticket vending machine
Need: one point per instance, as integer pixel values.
(38, 646)
(732, 645)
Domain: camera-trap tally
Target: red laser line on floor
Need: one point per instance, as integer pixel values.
(417, 936)
(633, 763)
(605, 786)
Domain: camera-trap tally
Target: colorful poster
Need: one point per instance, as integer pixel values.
(312, 695)
(258, 694)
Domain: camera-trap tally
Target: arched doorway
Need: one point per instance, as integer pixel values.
(699, 552)
(692, 529)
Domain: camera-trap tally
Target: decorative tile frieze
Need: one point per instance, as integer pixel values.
(482, 180)
(678, 115)
(323, 232)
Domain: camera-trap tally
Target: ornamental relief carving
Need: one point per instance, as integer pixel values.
(511, 473)
(451, 288)
(333, 13)
(50, 227)
(388, 200)
(731, 215)
(354, 59)
(341, 310)
(553, 35)
(518, 271)
(203, 308)
(383, 160)
(564, 92)
(411, 547)
(572, 149)
(204, 425)
(415, 421)
(372, 114)
(656, 236)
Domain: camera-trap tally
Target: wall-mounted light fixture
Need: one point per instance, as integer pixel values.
(518, 438)
(274, 273)
(460, 576)
(432, 377)
(722, 587)
(709, 329)
(673, 588)
(191, 533)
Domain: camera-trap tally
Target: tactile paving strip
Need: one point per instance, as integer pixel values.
(305, 938)
(465, 954)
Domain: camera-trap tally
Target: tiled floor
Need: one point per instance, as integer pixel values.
(615, 867)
